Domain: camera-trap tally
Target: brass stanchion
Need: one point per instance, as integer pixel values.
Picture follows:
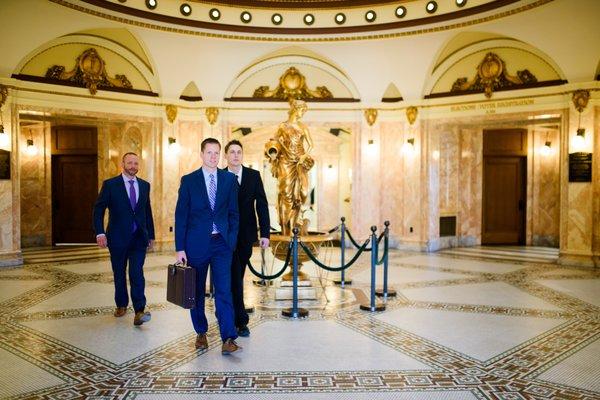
(373, 306)
(295, 312)
(343, 281)
(385, 292)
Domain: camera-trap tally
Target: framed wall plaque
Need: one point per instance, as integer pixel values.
(580, 167)
(4, 164)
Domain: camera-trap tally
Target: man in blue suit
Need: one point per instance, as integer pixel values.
(206, 229)
(129, 233)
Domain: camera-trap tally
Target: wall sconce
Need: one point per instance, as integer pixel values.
(330, 166)
(370, 141)
(409, 146)
(546, 149)
(31, 149)
(174, 146)
(579, 139)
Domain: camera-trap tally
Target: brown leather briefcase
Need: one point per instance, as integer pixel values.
(181, 285)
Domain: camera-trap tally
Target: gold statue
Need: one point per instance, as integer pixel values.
(290, 163)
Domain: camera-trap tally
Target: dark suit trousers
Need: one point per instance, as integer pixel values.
(219, 259)
(135, 253)
(240, 260)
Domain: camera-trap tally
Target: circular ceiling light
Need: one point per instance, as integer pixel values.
(151, 4)
(370, 16)
(214, 14)
(461, 3)
(277, 19)
(185, 9)
(246, 17)
(309, 19)
(340, 18)
(400, 12)
(431, 7)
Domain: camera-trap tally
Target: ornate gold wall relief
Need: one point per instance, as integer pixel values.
(89, 71)
(411, 114)
(292, 85)
(580, 99)
(171, 111)
(492, 75)
(212, 113)
(3, 95)
(371, 116)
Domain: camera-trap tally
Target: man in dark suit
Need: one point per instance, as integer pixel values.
(206, 229)
(129, 233)
(251, 192)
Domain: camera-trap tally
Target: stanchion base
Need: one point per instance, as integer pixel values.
(249, 310)
(390, 293)
(377, 307)
(300, 313)
(262, 282)
(339, 282)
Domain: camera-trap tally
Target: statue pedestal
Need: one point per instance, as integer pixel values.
(305, 291)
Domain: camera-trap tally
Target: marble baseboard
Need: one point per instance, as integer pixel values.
(11, 258)
(545, 240)
(34, 241)
(579, 260)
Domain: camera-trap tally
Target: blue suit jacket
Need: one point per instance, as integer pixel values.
(115, 197)
(194, 217)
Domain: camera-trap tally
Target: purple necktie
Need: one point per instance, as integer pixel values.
(132, 201)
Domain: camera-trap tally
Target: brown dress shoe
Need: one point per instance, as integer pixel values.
(201, 342)
(229, 346)
(141, 317)
(120, 311)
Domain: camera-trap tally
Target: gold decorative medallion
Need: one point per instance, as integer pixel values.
(171, 111)
(492, 75)
(371, 116)
(89, 71)
(292, 85)
(212, 113)
(411, 114)
(580, 99)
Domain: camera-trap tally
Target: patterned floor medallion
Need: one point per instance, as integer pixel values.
(477, 323)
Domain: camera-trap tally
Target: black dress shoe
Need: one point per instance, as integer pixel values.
(243, 331)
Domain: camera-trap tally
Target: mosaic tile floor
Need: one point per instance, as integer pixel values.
(482, 323)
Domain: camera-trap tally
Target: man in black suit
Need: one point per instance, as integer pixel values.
(129, 233)
(251, 192)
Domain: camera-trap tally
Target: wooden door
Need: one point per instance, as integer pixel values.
(504, 200)
(504, 186)
(74, 183)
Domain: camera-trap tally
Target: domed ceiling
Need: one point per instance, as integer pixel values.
(316, 19)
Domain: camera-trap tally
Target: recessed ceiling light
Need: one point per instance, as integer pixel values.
(400, 12)
(340, 18)
(431, 7)
(370, 16)
(277, 19)
(309, 19)
(214, 14)
(185, 9)
(460, 3)
(151, 4)
(246, 17)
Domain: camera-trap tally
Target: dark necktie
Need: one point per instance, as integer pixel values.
(132, 201)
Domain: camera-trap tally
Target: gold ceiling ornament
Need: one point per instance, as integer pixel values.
(411, 114)
(212, 113)
(89, 71)
(292, 85)
(580, 99)
(492, 75)
(171, 111)
(371, 116)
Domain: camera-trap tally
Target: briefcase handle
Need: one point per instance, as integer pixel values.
(173, 267)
